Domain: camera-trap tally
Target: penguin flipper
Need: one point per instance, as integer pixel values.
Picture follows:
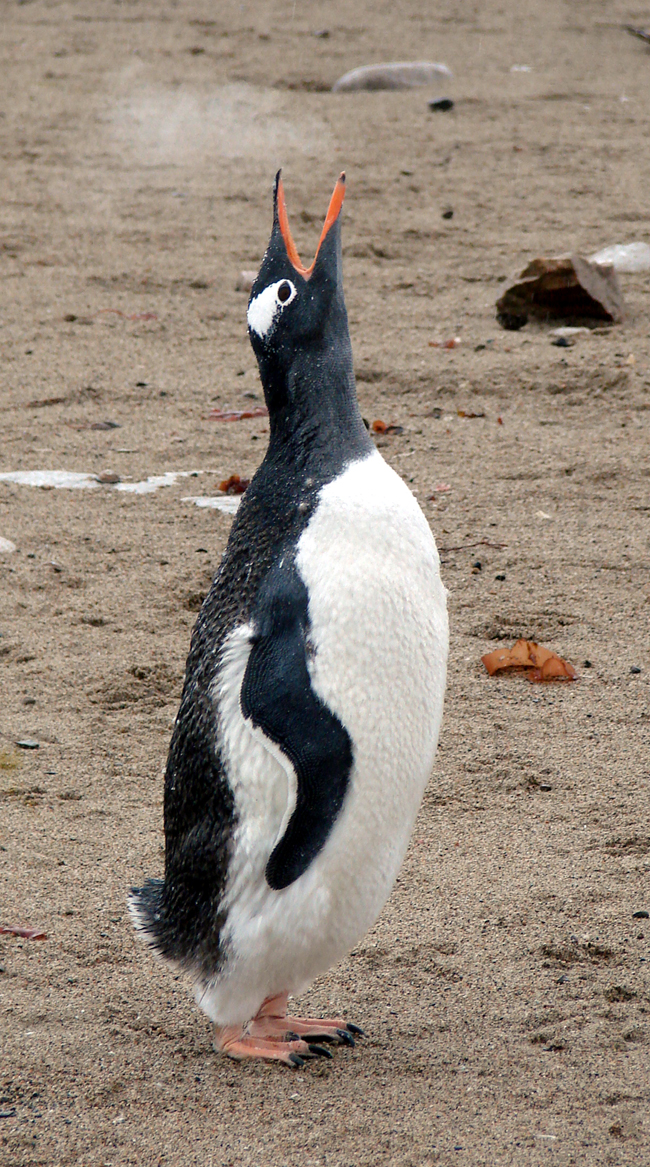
(277, 695)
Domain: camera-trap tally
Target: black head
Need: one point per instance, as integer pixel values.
(296, 314)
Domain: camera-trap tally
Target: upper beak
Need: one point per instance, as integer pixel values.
(336, 202)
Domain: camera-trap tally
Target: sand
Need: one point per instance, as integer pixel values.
(505, 988)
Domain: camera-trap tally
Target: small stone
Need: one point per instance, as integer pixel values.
(448, 213)
(393, 75)
(28, 743)
(29, 701)
(563, 341)
(641, 915)
(108, 478)
(245, 281)
(6, 546)
(441, 104)
(500, 577)
(635, 670)
(586, 664)
(477, 564)
(625, 257)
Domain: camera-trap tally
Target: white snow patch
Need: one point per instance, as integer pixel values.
(65, 479)
(228, 503)
(153, 482)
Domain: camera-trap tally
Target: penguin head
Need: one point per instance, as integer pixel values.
(293, 308)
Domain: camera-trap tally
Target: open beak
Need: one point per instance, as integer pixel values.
(336, 202)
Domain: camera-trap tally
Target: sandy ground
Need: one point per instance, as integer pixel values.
(505, 989)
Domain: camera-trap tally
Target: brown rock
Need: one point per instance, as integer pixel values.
(566, 287)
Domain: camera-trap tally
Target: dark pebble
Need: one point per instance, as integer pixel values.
(441, 104)
(586, 664)
(477, 564)
(28, 743)
(641, 915)
(29, 700)
(448, 213)
(501, 577)
(561, 342)
(141, 384)
(635, 670)
(512, 321)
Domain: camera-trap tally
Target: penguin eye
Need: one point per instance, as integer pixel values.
(284, 291)
(265, 308)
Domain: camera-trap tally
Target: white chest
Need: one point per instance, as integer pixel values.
(378, 632)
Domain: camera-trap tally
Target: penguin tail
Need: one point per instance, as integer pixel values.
(146, 910)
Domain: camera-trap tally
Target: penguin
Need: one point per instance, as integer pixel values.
(313, 692)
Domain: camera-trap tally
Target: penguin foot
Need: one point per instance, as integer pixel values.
(272, 1023)
(271, 1034)
(236, 1043)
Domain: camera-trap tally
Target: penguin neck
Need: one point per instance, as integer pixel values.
(315, 423)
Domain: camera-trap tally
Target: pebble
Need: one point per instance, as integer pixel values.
(245, 281)
(441, 104)
(108, 478)
(635, 670)
(28, 743)
(501, 577)
(641, 915)
(394, 75)
(6, 546)
(571, 330)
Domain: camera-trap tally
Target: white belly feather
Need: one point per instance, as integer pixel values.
(378, 619)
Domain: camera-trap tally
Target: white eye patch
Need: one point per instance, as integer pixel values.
(264, 310)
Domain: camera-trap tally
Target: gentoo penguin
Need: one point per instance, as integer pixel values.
(313, 693)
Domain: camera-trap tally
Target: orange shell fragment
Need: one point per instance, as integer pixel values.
(544, 664)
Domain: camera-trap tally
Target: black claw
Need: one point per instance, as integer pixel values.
(320, 1051)
(296, 1060)
(352, 1028)
(345, 1038)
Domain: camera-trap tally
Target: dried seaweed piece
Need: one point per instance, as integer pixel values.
(383, 427)
(453, 342)
(234, 484)
(545, 665)
(237, 414)
(24, 933)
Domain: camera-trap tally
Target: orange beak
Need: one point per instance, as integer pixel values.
(336, 202)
